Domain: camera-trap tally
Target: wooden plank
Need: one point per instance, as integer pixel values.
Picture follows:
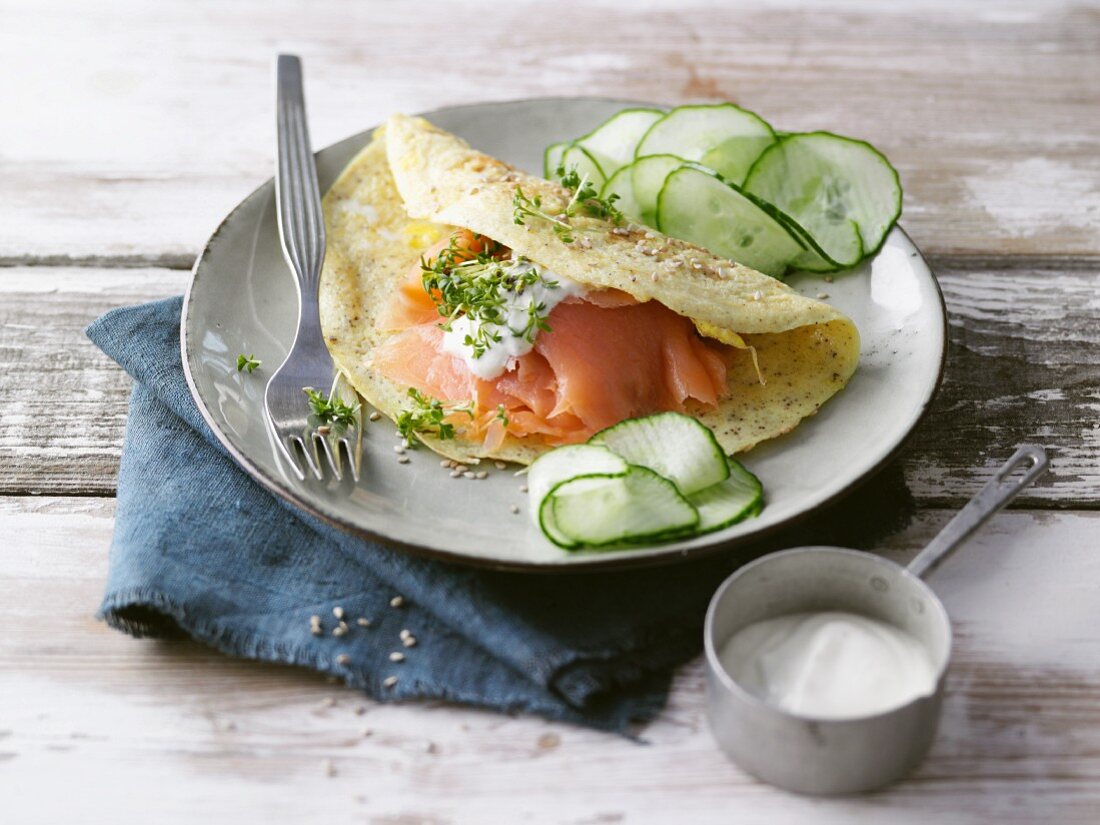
(170, 731)
(1021, 368)
(140, 125)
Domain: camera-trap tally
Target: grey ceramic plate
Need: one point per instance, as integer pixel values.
(242, 299)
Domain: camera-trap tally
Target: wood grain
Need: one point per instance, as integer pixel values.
(140, 125)
(146, 730)
(1022, 367)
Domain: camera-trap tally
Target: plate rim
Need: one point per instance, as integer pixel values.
(612, 561)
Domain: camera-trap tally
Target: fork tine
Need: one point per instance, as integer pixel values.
(309, 453)
(286, 454)
(352, 463)
(333, 457)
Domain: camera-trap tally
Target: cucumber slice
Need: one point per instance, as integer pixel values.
(612, 143)
(579, 157)
(552, 468)
(722, 136)
(596, 511)
(638, 186)
(551, 158)
(672, 444)
(739, 497)
(697, 206)
(844, 193)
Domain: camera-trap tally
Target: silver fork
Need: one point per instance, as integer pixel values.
(302, 230)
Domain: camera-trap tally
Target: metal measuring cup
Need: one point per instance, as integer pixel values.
(836, 756)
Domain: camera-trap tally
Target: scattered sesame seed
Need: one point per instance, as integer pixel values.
(397, 448)
(585, 243)
(620, 231)
(500, 465)
(324, 429)
(338, 612)
(329, 767)
(523, 488)
(649, 236)
(374, 416)
(360, 710)
(514, 508)
(483, 474)
(445, 463)
(363, 622)
(654, 277)
(316, 630)
(397, 656)
(822, 295)
(696, 265)
(405, 633)
(756, 296)
(340, 630)
(343, 659)
(406, 443)
(459, 466)
(409, 641)
(389, 681)
(468, 474)
(456, 474)
(402, 459)
(397, 601)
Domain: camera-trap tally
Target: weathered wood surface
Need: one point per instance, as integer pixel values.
(134, 127)
(157, 731)
(1022, 366)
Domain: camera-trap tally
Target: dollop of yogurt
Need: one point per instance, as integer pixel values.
(544, 293)
(829, 665)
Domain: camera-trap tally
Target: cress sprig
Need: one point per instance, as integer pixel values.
(583, 196)
(331, 409)
(426, 417)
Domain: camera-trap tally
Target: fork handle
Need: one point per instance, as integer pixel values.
(301, 222)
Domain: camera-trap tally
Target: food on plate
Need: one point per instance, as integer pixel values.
(720, 176)
(522, 314)
(645, 479)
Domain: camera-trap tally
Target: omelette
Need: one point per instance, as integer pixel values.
(457, 283)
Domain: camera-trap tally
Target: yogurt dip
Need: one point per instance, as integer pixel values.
(829, 665)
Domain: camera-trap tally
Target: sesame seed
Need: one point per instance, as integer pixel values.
(409, 641)
(397, 448)
(397, 601)
(316, 630)
(523, 488)
(456, 474)
(389, 681)
(468, 474)
(328, 767)
(696, 265)
(343, 659)
(363, 622)
(406, 443)
(402, 459)
(340, 630)
(822, 295)
(500, 465)
(514, 508)
(445, 463)
(397, 656)
(360, 710)
(374, 416)
(756, 296)
(649, 236)
(338, 612)
(324, 429)
(405, 633)
(482, 474)
(653, 277)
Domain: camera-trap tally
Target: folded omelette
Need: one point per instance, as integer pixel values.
(640, 322)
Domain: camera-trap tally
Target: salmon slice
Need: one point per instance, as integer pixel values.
(607, 358)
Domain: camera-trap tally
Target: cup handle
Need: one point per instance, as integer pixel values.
(998, 492)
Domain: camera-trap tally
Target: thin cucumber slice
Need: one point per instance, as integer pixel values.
(737, 498)
(828, 183)
(638, 186)
(581, 159)
(597, 511)
(612, 143)
(722, 136)
(697, 206)
(552, 468)
(551, 158)
(621, 184)
(672, 444)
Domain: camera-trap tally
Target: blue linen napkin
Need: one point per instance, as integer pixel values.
(202, 550)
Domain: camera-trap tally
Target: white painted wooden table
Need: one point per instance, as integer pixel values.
(130, 128)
